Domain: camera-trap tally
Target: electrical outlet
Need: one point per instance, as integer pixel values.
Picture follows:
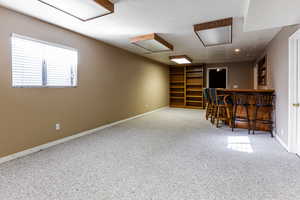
(57, 127)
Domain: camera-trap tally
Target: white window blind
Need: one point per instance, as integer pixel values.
(40, 64)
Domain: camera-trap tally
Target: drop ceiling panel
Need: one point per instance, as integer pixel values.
(152, 46)
(215, 36)
(82, 9)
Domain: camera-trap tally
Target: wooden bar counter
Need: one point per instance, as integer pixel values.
(264, 113)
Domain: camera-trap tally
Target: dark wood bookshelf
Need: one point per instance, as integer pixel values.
(262, 71)
(186, 86)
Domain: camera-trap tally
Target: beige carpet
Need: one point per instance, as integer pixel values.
(171, 154)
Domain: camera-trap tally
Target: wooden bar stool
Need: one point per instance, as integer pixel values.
(242, 101)
(221, 112)
(213, 98)
(264, 101)
(229, 109)
(219, 107)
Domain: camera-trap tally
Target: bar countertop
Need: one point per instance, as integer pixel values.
(249, 90)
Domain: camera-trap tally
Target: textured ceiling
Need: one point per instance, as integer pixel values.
(171, 19)
(279, 13)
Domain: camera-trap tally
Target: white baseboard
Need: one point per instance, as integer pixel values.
(72, 137)
(281, 142)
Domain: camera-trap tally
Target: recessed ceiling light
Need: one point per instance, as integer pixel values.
(152, 43)
(181, 59)
(237, 50)
(215, 33)
(83, 10)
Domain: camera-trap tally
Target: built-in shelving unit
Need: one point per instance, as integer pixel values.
(186, 86)
(194, 86)
(262, 72)
(177, 86)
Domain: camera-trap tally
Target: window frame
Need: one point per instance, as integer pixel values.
(46, 43)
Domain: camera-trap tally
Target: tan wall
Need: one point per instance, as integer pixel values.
(278, 77)
(113, 85)
(239, 73)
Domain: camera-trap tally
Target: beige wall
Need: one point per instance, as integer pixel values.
(239, 73)
(113, 85)
(278, 77)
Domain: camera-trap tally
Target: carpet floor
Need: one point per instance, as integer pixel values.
(170, 154)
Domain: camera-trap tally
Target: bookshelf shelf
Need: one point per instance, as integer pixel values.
(193, 101)
(194, 96)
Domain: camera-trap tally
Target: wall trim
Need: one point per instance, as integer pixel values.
(69, 138)
(281, 142)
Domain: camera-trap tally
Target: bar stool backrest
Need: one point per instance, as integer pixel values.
(264, 100)
(221, 97)
(241, 99)
(213, 95)
(205, 94)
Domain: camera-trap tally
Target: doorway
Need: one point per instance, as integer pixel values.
(217, 77)
(294, 93)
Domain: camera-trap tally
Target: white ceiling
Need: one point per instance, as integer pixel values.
(263, 14)
(171, 19)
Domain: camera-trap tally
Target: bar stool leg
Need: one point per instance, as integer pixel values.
(229, 117)
(207, 111)
(248, 119)
(212, 114)
(272, 135)
(233, 117)
(218, 116)
(254, 120)
(271, 128)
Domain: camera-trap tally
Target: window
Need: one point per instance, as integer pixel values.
(41, 64)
